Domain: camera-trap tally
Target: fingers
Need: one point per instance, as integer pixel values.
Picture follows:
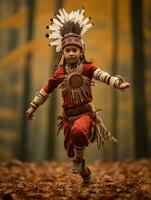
(124, 85)
(29, 113)
(30, 117)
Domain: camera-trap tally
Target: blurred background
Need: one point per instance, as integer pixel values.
(119, 42)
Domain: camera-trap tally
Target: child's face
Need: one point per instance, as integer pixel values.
(71, 54)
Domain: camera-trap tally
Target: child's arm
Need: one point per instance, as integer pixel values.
(115, 81)
(39, 99)
(43, 94)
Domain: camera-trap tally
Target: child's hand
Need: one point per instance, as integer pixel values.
(30, 112)
(124, 85)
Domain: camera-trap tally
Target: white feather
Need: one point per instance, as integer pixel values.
(82, 15)
(56, 32)
(88, 26)
(62, 14)
(57, 22)
(85, 21)
(54, 28)
(62, 19)
(81, 19)
(82, 11)
(55, 43)
(85, 29)
(58, 48)
(54, 36)
(57, 26)
(70, 16)
(65, 14)
(74, 16)
(78, 17)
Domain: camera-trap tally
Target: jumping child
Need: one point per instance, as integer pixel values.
(80, 120)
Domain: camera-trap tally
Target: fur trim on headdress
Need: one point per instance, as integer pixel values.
(64, 23)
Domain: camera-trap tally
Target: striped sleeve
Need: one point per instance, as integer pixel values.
(113, 81)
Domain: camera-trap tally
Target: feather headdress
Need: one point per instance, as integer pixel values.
(65, 25)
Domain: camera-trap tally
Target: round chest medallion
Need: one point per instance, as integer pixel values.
(75, 80)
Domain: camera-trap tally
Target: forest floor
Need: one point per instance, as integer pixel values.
(55, 181)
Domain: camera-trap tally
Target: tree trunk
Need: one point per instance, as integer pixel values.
(115, 35)
(27, 80)
(140, 114)
(8, 80)
(50, 152)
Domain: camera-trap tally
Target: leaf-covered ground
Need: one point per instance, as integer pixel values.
(55, 181)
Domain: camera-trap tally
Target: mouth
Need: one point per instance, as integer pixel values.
(72, 59)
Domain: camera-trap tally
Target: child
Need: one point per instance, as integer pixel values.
(80, 120)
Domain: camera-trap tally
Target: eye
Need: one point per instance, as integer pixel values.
(67, 50)
(74, 50)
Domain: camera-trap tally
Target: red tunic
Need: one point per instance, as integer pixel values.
(58, 77)
(77, 131)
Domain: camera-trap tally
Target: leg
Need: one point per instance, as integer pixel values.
(79, 136)
(78, 159)
(76, 134)
(80, 167)
(85, 174)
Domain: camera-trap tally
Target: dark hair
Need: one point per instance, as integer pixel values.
(84, 60)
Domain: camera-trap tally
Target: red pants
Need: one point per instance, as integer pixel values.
(77, 133)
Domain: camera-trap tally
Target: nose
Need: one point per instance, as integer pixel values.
(71, 53)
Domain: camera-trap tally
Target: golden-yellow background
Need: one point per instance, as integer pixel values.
(26, 63)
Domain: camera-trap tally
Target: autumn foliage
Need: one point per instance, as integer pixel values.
(52, 180)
